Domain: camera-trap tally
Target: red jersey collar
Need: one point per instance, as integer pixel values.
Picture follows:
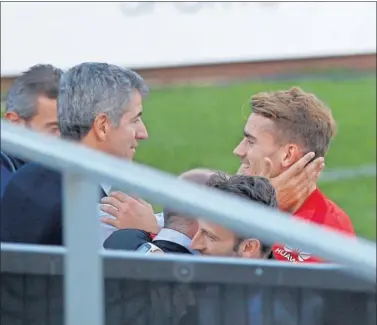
(314, 208)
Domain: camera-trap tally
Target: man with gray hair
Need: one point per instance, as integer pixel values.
(100, 106)
(31, 102)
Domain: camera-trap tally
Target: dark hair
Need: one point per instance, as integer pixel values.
(39, 80)
(257, 189)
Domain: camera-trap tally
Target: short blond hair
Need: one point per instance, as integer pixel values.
(299, 117)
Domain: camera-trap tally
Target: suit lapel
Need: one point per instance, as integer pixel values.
(102, 193)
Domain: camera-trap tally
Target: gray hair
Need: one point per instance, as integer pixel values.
(39, 80)
(91, 88)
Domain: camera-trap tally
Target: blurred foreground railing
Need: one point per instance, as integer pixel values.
(137, 288)
(83, 269)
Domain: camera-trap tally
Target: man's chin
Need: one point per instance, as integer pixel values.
(129, 156)
(131, 153)
(244, 170)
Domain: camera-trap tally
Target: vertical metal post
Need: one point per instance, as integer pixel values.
(83, 276)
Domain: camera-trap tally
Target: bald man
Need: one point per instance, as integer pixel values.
(176, 233)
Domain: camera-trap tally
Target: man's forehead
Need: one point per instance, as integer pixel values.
(212, 228)
(135, 102)
(257, 123)
(136, 97)
(135, 110)
(47, 104)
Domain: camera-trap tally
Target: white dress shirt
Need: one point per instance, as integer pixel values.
(105, 229)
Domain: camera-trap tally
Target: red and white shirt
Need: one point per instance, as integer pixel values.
(318, 209)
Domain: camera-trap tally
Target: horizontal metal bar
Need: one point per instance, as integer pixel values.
(31, 259)
(242, 216)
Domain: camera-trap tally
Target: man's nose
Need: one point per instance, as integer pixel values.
(141, 132)
(239, 151)
(56, 133)
(197, 243)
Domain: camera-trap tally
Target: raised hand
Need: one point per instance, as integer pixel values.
(129, 212)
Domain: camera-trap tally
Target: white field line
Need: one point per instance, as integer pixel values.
(339, 174)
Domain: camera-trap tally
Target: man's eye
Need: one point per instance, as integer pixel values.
(53, 131)
(211, 238)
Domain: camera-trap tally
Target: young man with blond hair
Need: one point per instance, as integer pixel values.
(282, 128)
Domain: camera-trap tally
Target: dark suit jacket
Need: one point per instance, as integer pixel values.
(127, 239)
(132, 239)
(162, 303)
(31, 207)
(9, 166)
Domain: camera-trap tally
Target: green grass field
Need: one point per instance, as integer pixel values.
(199, 127)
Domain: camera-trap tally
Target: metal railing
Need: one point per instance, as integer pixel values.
(142, 291)
(81, 178)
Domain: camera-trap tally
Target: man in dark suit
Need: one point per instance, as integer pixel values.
(176, 237)
(31, 102)
(31, 209)
(100, 106)
(168, 303)
(178, 230)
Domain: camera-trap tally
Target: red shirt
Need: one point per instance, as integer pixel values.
(318, 209)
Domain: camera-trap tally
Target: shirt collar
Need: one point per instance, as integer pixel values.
(160, 219)
(106, 188)
(313, 207)
(175, 237)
